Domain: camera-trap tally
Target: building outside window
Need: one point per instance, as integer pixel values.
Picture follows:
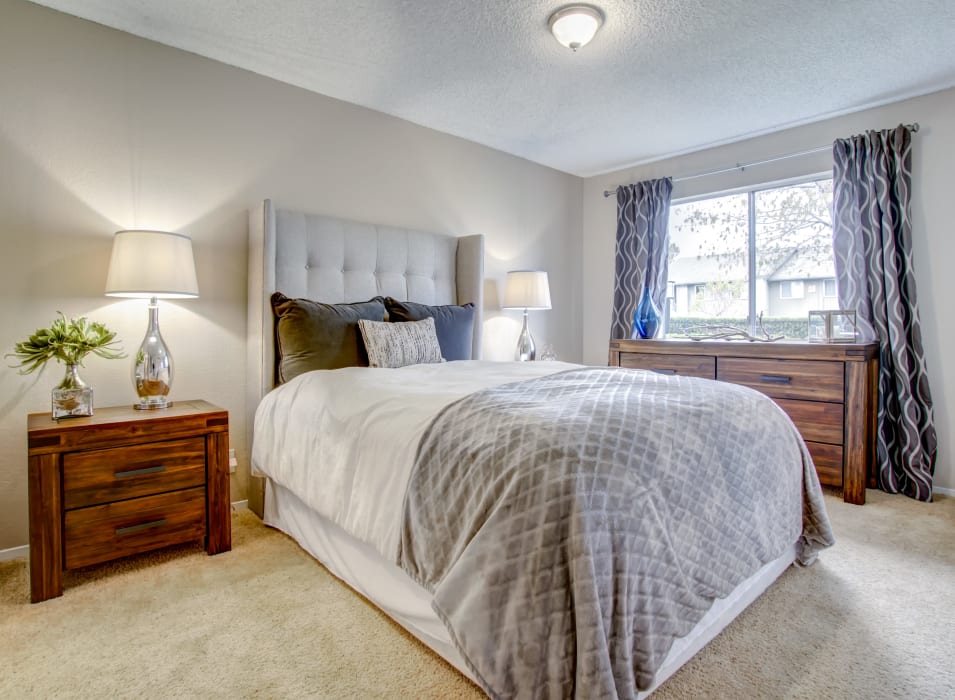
(792, 289)
(766, 250)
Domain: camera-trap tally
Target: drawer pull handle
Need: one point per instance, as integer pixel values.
(665, 371)
(140, 472)
(142, 526)
(775, 378)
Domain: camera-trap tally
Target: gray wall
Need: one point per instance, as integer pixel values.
(100, 131)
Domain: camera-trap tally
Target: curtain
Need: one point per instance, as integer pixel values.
(642, 244)
(872, 240)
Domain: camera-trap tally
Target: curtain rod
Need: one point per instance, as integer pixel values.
(914, 128)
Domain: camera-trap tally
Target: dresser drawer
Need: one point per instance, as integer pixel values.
(687, 365)
(818, 421)
(828, 461)
(100, 533)
(102, 476)
(819, 380)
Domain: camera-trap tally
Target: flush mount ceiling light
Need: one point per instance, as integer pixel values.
(575, 25)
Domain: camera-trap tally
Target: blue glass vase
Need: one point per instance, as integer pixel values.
(646, 319)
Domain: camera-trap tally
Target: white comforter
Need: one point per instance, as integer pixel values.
(344, 440)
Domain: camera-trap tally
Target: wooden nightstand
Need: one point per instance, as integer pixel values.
(124, 481)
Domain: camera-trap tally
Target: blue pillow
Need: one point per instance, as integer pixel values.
(454, 325)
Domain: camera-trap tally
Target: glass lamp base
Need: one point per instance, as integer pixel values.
(145, 405)
(152, 371)
(526, 349)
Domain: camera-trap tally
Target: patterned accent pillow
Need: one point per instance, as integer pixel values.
(400, 344)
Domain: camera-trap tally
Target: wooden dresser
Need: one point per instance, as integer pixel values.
(829, 390)
(124, 481)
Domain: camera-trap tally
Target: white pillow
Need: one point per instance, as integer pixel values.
(400, 344)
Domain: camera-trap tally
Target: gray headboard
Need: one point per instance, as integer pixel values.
(335, 260)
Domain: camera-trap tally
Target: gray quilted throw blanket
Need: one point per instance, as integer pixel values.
(571, 527)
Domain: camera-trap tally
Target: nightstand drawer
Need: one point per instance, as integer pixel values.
(103, 476)
(100, 533)
(687, 365)
(786, 379)
(818, 421)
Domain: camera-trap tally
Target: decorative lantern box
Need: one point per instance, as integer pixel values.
(832, 326)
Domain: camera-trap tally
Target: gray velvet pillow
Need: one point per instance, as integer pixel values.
(312, 335)
(454, 325)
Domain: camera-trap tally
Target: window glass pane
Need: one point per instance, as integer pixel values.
(709, 249)
(708, 263)
(794, 258)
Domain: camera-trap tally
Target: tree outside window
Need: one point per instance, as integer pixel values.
(764, 251)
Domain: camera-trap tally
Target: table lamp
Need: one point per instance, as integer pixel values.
(152, 265)
(528, 290)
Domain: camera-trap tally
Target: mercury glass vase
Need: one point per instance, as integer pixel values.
(72, 397)
(152, 371)
(646, 318)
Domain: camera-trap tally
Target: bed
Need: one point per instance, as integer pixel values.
(364, 479)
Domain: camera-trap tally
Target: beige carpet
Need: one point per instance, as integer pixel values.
(874, 618)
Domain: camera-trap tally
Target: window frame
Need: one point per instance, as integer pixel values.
(751, 191)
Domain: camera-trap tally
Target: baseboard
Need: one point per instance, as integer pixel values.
(15, 552)
(240, 505)
(944, 492)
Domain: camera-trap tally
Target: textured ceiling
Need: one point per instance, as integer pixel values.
(661, 77)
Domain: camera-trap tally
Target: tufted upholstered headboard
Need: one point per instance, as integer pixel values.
(335, 260)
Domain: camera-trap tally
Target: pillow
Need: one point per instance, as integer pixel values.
(453, 324)
(400, 344)
(311, 335)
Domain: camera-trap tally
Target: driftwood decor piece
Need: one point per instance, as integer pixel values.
(711, 331)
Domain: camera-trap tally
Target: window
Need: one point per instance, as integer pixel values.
(791, 289)
(764, 251)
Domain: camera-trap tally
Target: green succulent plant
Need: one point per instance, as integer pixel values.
(67, 340)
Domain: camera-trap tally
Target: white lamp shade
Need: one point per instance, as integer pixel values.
(152, 264)
(575, 26)
(526, 289)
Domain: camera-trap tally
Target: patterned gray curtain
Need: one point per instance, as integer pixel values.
(643, 210)
(872, 240)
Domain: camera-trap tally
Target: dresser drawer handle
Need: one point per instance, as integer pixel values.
(142, 526)
(140, 472)
(665, 371)
(775, 378)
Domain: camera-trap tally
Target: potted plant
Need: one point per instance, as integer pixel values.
(67, 341)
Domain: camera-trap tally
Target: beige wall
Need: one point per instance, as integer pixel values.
(933, 240)
(100, 130)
